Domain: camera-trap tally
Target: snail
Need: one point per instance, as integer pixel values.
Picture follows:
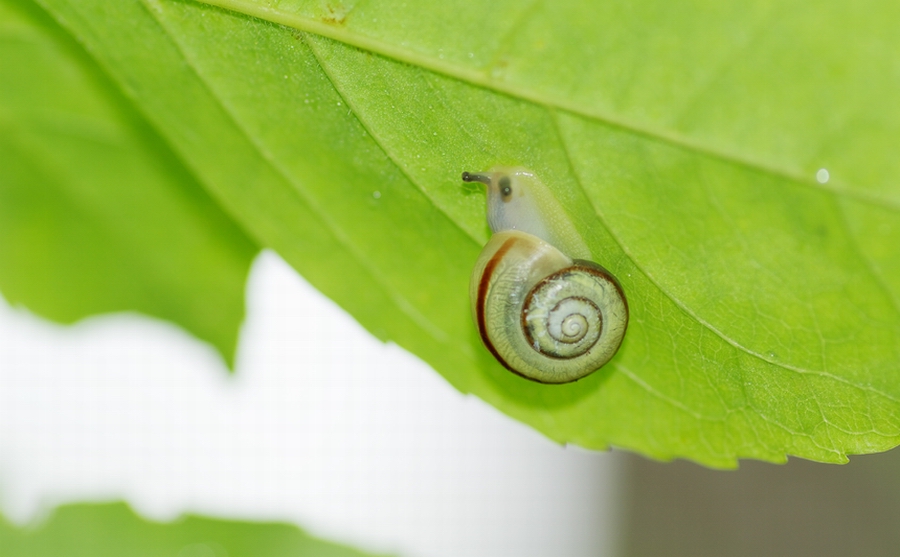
(543, 310)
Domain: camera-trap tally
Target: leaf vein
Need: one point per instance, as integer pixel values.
(358, 114)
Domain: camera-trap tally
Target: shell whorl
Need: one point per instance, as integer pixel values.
(543, 315)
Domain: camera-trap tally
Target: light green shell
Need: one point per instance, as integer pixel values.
(543, 315)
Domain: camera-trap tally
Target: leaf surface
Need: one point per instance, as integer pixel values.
(97, 214)
(684, 141)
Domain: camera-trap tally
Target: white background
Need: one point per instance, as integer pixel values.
(322, 425)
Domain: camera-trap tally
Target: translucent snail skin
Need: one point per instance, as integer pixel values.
(544, 315)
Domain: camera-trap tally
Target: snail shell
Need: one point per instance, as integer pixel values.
(542, 314)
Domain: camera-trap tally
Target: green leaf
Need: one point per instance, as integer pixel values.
(97, 214)
(684, 140)
(114, 530)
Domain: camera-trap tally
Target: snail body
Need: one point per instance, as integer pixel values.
(542, 314)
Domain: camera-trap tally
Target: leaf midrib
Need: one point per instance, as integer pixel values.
(483, 78)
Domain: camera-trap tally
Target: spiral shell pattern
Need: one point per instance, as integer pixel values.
(543, 315)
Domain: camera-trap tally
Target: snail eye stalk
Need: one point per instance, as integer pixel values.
(474, 177)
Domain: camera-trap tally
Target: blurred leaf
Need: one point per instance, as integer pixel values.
(685, 141)
(96, 212)
(114, 530)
